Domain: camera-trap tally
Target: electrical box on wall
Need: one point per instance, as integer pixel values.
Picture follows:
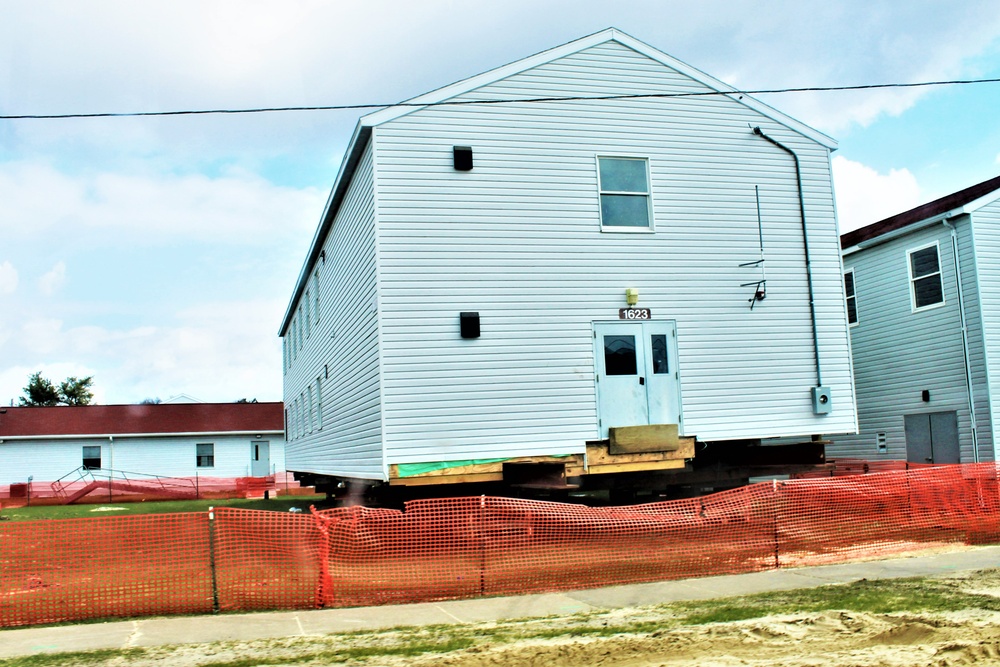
(468, 324)
(822, 403)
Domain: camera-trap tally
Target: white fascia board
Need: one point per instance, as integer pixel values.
(903, 231)
(610, 34)
(985, 200)
(106, 436)
(344, 175)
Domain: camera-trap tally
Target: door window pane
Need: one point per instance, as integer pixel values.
(619, 355)
(659, 346)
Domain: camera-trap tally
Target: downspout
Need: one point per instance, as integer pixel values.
(965, 337)
(805, 242)
(111, 468)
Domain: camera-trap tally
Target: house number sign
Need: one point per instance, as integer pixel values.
(635, 314)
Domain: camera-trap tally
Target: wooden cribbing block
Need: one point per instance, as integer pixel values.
(639, 439)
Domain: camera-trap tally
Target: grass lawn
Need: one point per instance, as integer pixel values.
(279, 504)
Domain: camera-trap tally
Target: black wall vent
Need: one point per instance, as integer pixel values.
(469, 324)
(463, 158)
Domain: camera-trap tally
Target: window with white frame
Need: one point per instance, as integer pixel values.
(852, 300)
(926, 288)
(311, 415)
(301, 328)
(316, 286)
(624, 188)
(205, 454)
(308, 314)
(319, 405)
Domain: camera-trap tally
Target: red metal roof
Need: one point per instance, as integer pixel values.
(928, 210)
(161, 419)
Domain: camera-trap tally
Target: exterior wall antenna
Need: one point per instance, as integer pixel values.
(760, 285)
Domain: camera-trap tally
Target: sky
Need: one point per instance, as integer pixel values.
(158, 254)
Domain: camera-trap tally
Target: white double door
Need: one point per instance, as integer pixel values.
(637, 378)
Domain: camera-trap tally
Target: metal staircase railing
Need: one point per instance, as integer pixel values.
(119, 480)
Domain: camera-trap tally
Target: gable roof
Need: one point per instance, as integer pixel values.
(608, 35)
(362, 131)
(938, 207)
(161, 419)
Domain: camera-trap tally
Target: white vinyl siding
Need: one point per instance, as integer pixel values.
(987, 249)
(46, 460)
(339, 429)
(518, 239)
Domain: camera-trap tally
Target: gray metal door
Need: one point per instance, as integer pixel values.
(932, 437)
(260, 458)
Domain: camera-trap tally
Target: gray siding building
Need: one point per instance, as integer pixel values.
(923, 292)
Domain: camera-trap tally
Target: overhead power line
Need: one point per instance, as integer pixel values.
(571, 98)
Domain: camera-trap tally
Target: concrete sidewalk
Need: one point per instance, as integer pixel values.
(270, 625)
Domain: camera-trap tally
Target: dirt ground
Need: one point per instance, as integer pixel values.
(948, 621)
(829, 639)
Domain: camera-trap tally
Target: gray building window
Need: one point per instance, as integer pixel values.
(624, 188)
(852, 300)
(925, 277)
(205, 453)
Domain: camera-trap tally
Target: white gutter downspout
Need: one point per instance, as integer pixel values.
(965, 337)
(111, 452)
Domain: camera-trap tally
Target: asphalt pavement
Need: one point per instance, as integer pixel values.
(159, 631)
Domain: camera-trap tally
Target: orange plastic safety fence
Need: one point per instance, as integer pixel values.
(537, 546)
(433, 551)
(467, 547)
(74, 569)
(844, 518)
(265, 560)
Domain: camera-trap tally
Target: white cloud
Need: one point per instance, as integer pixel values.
(8, 278)
(240, 208)
(51, 281)
(865, 196)
(216, 351)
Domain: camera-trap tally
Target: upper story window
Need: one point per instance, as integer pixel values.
(925, 277)
(624, 188)
(308, 314)
(316, 285)
(852, 300)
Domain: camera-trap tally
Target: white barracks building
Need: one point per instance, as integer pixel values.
(498, 291)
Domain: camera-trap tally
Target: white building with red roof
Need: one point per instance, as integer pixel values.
(171, 440)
